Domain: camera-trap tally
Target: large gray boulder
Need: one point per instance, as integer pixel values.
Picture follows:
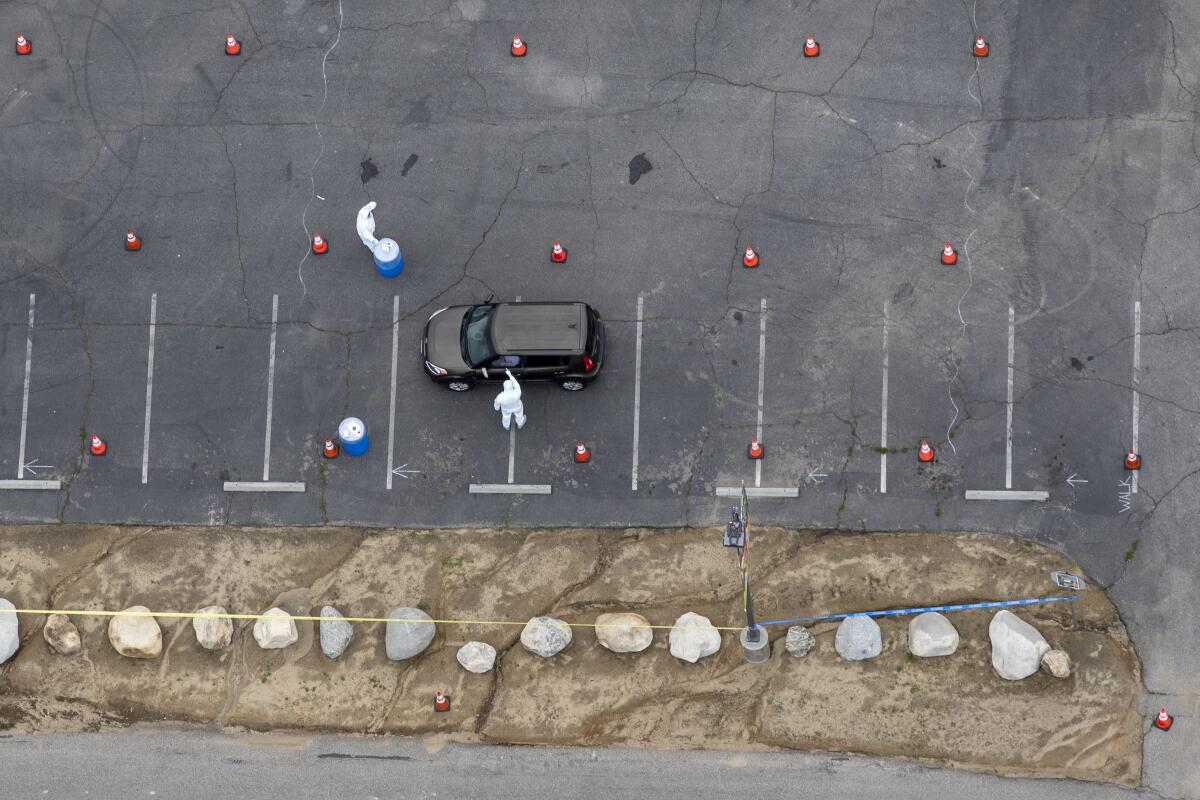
(693, 637)
(1017, 647)
(624, 633)
(546, 636)
(799, 641)
(931, 634)
(62, 635)
(9, 640)
(477, 657)
(136, 636)
(408, 639)
(213, 632)
(335, 633)
(858, 638)
(275, 629)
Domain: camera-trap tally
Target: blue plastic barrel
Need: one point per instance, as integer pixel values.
(388, 258)
(353, 435)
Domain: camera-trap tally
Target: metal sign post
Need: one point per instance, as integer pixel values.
(1068, 581)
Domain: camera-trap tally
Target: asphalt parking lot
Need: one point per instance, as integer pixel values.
(655, 145)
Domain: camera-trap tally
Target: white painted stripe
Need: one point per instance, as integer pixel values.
(1137, 371)
(1001, 494)
(35, 484)
(149, 390)
(758, 491)
(762, 372)
(1008, 435)
(270, 390)
(264, 486)
(508, 488)
(392, 403)
(637, 393)
(25, 397)
(512, 440)
(884, 403)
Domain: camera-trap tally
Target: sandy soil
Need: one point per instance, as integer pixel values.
(952, 710)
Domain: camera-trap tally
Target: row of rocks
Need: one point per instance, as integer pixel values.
(1018, 649)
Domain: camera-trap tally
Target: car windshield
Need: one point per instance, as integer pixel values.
(476, 344)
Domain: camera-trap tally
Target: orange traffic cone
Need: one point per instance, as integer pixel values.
(1133, 460)
(518, 47)
(755, 450)
(558, 253)
(980, 48)
(132, 242)
(750, 259)
(582, 454)
(925, 452)
(330, 450)
(319, 245)
(949, 256)
(1163, 720)
(98, 447)
(441, 702)
(24, 46)
(232, 46)
(811, 48)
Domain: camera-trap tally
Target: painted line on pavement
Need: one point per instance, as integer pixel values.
(1009, 433)
(270, 390)
(1137, 371)
(508, 488)
(34, 484)
(758, 491)
(762, 372)
(392, 403)
(25, 396)
(883, 414)
(264, 486)
(637, 394)
(1005, 494)
(149, 390)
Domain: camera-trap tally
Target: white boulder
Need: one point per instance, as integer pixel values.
(624, 633)
(9, 640)
(858, 638)
(409, 631)
(136, 636)
(62, 635)
(275, 629)
(213, 633)
(546, 636)
(1057, 663)
(931, 634)
(477, 657)
(693, 637)
(1017, 647)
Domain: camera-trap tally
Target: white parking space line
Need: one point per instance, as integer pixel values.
(1008, 439)
(999, 494)
(512, 443)
(762, 372)
(392, 403)
(1137, 380)
(149, 390)
(755, 491)
(264, 486)
(508, 488)
(270, 391)
(34, 484)
(637, 393)
(884, 403)
(25, 396)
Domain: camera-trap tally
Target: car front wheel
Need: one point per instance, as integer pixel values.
(572, 385)
(458, 386)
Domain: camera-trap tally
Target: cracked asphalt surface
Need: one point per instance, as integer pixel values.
(655, 144)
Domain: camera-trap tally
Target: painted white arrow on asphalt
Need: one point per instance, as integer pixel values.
(815, 475)
(1073, 481)
(33, 466)
(404, 473)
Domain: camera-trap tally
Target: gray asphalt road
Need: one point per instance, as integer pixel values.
(190, 764)
(655, 144)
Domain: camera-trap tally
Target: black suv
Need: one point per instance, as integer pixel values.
(561, 342)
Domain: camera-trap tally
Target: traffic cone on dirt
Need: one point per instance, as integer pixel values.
(97, 446)
(319, 245)
(755, 450)
(518, 47)
(750, 259)
(330, 450)
(132, 242)
(949, 255)
(582, 454)
(441, 702)
(980, 48)
(24, 46)
(1163, 720)
(1132, 460)
(811, 48)
(558, 253)
(925, 452)
(232, 46)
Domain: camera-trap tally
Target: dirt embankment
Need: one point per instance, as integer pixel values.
(953, 709)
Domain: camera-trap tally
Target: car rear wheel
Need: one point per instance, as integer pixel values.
(458, 385)
(572, 385)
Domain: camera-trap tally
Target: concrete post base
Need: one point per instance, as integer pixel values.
(755, 652)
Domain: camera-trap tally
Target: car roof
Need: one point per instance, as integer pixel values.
(526, 328)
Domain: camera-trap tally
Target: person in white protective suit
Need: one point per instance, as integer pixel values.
(509, 404)
(383, 249)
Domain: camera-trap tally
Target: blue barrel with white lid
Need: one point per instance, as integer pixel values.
(353, 435)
